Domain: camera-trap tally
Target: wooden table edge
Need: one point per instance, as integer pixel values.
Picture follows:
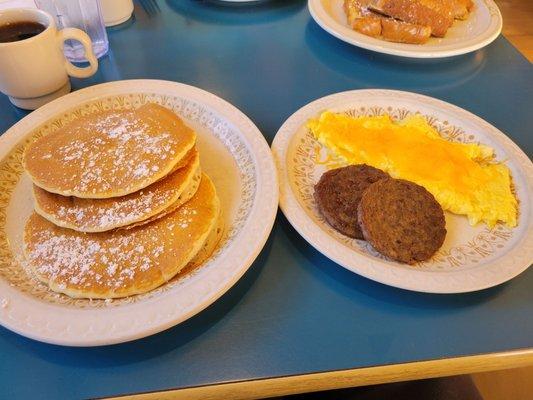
(281, 386)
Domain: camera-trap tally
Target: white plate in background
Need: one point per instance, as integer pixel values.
(481, 28)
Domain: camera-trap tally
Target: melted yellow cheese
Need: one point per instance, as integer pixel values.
(460, 176)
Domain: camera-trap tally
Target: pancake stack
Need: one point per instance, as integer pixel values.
(121, 204)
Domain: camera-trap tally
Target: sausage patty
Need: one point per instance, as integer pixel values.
(338, 192)
(402, 220)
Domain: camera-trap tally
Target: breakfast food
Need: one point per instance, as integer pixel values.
(112, 241)
(437, 14)
(401, 220)
(463, 178)
(98, 215)
(370, 23)
(210, 244)
(404, 32)
(122, 262)
(405, 21)
(338, 193)
(461, 8)
(109, 154)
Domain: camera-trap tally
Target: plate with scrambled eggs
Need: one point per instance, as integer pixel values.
(480, 178)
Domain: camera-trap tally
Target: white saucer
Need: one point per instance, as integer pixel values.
(34, 103)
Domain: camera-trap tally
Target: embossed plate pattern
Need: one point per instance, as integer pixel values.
(232, 152)
(472, 258)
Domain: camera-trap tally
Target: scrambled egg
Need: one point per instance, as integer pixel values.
(460, 176)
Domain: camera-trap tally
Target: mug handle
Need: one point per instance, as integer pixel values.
(85, 40)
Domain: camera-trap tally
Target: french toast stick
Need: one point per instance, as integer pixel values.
(437, 14)
(376, 25)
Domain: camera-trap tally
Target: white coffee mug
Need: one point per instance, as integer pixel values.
(34, 71)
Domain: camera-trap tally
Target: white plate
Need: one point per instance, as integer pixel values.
(239, 1)
(482, 26)
(232, 152)
(471, 258)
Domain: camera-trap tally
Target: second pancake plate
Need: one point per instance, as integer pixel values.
(232, 152)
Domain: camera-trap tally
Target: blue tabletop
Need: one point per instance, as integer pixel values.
(294, 311)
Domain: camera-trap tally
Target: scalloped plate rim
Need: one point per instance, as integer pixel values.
(265, 203)
(300, 220)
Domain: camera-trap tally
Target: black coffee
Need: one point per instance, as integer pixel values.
(15, 31)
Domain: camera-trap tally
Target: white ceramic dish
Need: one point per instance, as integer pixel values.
(481, 28)
(471, 258)
(232, 152)
(239, 1)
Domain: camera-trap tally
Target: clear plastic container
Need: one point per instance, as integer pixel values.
(81, 14)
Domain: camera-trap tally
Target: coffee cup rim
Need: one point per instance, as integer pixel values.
(50, 24)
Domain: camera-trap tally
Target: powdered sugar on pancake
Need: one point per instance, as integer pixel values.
(110, 153)
(97, 215)
(108, 217)
(120, 262)
(78, 261)
(129, 133)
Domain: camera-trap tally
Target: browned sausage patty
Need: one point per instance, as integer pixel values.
(402, 220)
(338, 192)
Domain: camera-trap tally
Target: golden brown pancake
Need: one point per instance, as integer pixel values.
(99, 215)
(110, 153)
(186, 195)
(121, 262)
(210, 243)
(185, 160)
